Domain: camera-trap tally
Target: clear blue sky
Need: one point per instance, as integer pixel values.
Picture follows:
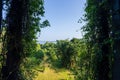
(63, 16)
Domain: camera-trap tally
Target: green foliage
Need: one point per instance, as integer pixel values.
(63, 53)
(39, 55)
(30, 63)
(34, 24)
(31, 50)
(70, 54)
(96, 40)
(27, 71)
(85, 56)
(50, 51)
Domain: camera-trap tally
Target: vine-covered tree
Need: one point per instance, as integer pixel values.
(103, 40)
(16, 21)
(23, 23)
(97, 36)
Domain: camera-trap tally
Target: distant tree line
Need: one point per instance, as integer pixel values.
(63, 53)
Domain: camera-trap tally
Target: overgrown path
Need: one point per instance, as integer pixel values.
(54, 74)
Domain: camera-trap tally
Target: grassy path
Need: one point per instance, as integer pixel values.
(51, 74)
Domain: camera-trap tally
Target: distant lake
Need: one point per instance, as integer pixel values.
(43, 42)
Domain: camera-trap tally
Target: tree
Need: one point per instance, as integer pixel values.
(51, 51)
(23, 23)
(102, 40)
(63, 47)
(15, 18)
(67, 52)
(116, 38)
(97, 35)
(83, 67)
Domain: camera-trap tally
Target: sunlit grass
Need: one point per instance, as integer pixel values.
(51, 74)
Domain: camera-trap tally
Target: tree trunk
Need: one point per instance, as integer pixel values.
(103, 45)
(103, 65)
(15, 19)
(116, 37)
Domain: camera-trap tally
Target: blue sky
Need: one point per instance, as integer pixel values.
(63, 16)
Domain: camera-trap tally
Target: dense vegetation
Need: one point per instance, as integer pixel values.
(63, 54)
(22, 22)
(94, 57)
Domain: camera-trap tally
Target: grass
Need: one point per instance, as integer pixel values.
(51, 74)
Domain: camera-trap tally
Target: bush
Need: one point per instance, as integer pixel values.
(39, 55)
